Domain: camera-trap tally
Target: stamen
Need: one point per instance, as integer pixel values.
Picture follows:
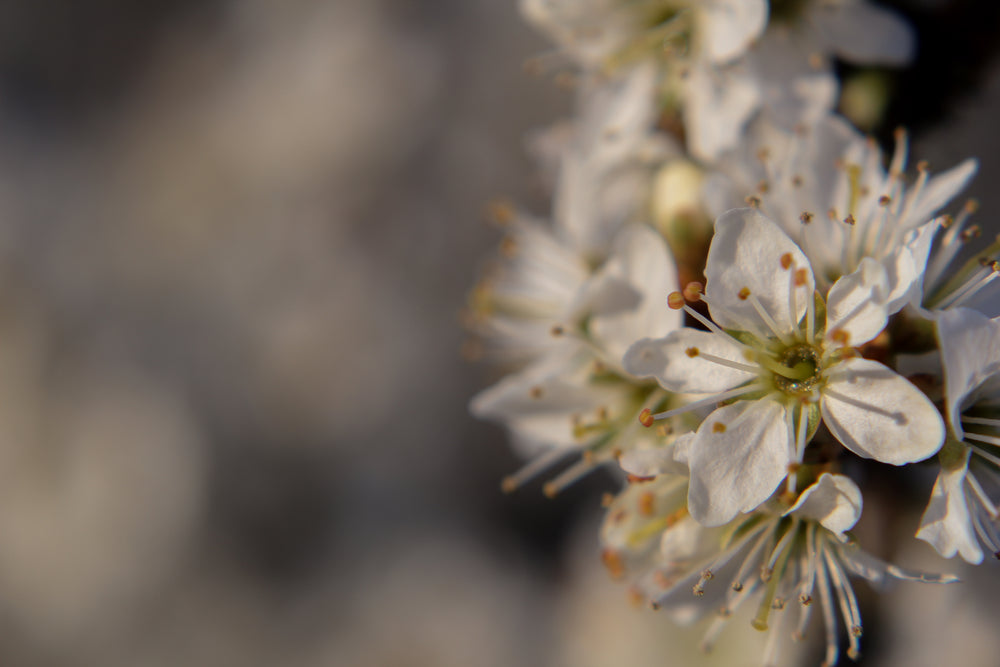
(984, 421)
(971, 288)
(848, 604)
(995, 460)
(764, 315)
(982, 437)
(981, 495)
(535, 466)
(699, 588)
(751, 558)
(717, 398)
(829, 620)
(800, 439)
(693, 291)
(714, 328)
(746, 368)
(576, 471)
(759, 621)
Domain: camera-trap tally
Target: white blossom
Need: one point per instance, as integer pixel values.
(826, 186)
(777, 371)
(782, 559)
(577, 397)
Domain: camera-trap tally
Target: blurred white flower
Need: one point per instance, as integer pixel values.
(577, 397)
(784, 553)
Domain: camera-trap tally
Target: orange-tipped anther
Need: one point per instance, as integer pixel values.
(693, 291)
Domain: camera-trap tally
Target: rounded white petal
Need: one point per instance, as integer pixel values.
(833, 500)
(857, 303)
(970, 354)
(947, 524)
(728, 27)
(678, 364)
(747, 254)
(862, 33)
(642, 262)
(878, 414)
(738, 457)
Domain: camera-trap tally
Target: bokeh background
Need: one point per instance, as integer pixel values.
(235, 239)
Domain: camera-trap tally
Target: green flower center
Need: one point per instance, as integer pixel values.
(798, 371)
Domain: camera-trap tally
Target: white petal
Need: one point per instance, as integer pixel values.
(641, 260)
(857, 303)
(833, 500)
(720, 101)
(906, 266)
(746, 254)
(538, 403)
(678, 365)
(862, 33)
(650, 461)
(970, 354)
(878, 414)
(946, 524)
(738, 457)
(728, 27)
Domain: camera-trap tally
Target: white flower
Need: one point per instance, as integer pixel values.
(689, 44)
(783, 557)
(577, 397)
(962, 515)
(826, 186)
(600, 34)
(765, 352)
(601, 174)
(791, 67)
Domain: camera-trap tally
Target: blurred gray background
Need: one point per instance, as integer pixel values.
(235, 238)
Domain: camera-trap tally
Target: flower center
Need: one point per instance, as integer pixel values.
(798, 371)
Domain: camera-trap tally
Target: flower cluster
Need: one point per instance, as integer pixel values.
(736, 299)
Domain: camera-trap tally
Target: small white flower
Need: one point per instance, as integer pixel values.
(765, 352)
(782, 559)
(962, 515)
(577, 397)
(826, 186)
